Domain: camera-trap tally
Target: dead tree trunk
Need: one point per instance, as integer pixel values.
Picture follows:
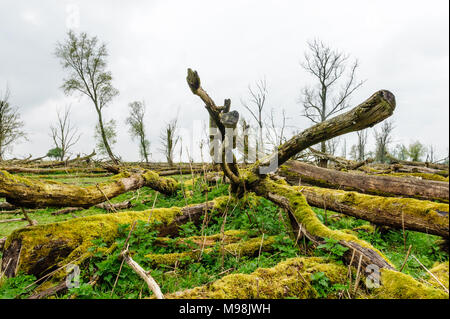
(27, 192)
(296, 172)
(412, 214)
(41, 249)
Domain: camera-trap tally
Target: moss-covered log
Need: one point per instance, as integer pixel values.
(27, 192)
(248, 247)
(40, 249)
(296, 172)
(412, 214)
(292, 278)
(305, 223)
(60, 170)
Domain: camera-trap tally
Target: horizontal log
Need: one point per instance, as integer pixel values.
(40, 249)
(292, 278)
(412, 214)
(295, 171)
(67, 170)
(28, 192)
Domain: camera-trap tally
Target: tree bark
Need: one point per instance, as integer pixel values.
(296, 172)
(28, 192)
(41, 249)
(305, 223)
(412, 214)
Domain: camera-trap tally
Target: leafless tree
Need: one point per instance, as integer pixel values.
(86, 59)
(430, 154)
(276, 134)
(255, 106)
(64, 134)
(10, 125)
(333, 89)
(332, 145)
(361, 144)
(137, 128)
(169, 139)
(383, 139)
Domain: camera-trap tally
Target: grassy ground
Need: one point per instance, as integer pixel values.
(260, 217)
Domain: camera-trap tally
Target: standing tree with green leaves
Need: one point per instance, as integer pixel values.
(137, 129)
(416, 150)
(333, 88)
(108, 132)
(85, 58)
(10, 125)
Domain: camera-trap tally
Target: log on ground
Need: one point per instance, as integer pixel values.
(26, 192)
(296, 172)
(412, 214)
(40, 249)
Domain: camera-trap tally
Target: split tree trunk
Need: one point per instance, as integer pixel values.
(296, 172)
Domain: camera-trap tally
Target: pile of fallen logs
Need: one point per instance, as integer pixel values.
(396, 201)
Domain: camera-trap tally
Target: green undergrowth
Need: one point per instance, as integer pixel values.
(255, 216)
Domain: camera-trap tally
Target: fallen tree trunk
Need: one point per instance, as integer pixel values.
(41, 249)
(340, 163)
(7, 206)
(412, 214)
(61, 170)
(114, 206)
(66, 162)
(292, 278)
(393, 160)
(28, 192)
(305, 223)
(296, 172)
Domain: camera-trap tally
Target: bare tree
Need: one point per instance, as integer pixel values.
(361, 144)
(64, 134)
(86, 59)
(332, 145)
(328, 67)
(137, 129)
(276, 134)
(169, 139)
(383, 139)
(255, 106)
(430, 154)
(10, 125)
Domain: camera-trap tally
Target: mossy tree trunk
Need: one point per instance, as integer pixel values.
(296, 172)
(28, 192)
(41, 249)
(408, 213)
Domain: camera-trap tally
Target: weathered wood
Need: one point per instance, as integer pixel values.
(306, 223)
(67, 210)
(411, 214)
(40, 249)
(61, 287)
(114, 206)
(145, 275)
(375, 109)
(61, 170)
(295, 171)
(393, 160)
(28, 192)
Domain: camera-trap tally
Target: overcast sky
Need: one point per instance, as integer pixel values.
(401, 46)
